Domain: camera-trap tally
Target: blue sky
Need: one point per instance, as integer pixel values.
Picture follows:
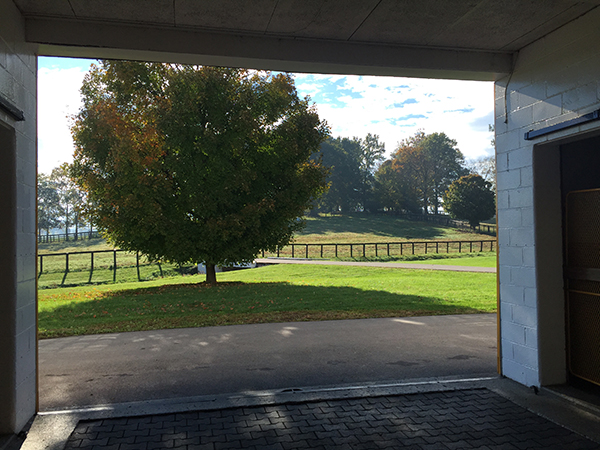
(391, 107)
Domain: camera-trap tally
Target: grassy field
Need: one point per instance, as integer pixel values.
(269, 294)
(376, 228)
(354, 228)
(81, 245)
(54, 274)
(327, 229)
(468, 259)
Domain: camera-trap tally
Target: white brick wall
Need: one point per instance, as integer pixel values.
(18, 67)
(555, 79)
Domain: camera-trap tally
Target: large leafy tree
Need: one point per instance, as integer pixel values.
(372, 153)
(196, 164)
(71, 199)
(393, 188)
(48, 204)
(425, 165)
(470, 198)
(342, 156)
(486, 167)
(352, 163)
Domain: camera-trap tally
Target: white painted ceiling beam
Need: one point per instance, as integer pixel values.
(100, 39)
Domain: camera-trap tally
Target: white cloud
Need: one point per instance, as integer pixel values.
(58, 99)
(395, 108)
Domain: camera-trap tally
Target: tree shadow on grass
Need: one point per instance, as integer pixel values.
(390, 226)
(197, 305)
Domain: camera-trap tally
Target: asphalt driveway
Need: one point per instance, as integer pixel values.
(126, 367)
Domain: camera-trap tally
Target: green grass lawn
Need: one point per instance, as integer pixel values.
(352, 228)
(376, 228)
(269, 294)
(80, 245)
(471, 260)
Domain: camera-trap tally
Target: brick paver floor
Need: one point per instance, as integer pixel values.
(465, 419)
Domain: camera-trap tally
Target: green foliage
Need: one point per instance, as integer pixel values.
(343, 158)
(60, 201)
(196, 164)
(486, 167)
(394, 187)
(419, 172)
(48, 204)
(352, 163)
(470, 198)
(71, 198)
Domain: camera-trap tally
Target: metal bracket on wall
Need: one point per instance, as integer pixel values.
(11, 109)
(532, 134)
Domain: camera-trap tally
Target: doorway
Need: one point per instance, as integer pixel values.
(580, 187)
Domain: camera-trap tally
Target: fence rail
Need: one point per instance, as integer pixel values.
(60, 237)
(379, 249)
(440, 219)
(98, 266)
(95, 266)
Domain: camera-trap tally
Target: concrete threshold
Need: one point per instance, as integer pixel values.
(51, 429)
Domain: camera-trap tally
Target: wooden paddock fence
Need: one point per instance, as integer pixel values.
(380, 249)
(113, 260)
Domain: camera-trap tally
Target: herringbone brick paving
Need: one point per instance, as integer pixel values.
(464, 419)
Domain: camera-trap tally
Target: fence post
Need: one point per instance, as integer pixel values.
(376, 255)
(336, 253)
(470, 246)
(114, 266)
(66, 262)
(447, 247)
(292, 250)
(263, 253)
(350, 250)
(306, 251)
(137, 264)
(459, 246)
(278, 252)
(388, 249)
(364, 250)
(92, 261)
(401, 248)
(321, 250)
(41, 263)
(481, 247)
(413, 248)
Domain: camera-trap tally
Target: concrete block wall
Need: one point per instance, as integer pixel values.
(555, 79)
(18, 328)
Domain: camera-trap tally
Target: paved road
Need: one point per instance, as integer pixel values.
(125, 367)
(387, 265)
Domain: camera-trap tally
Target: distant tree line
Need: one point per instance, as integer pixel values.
(414, 179)
(60, 202)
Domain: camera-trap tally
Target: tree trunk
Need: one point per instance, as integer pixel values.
(211, 274)
(67, 223)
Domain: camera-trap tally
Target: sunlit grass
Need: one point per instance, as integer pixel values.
(269, 294)
(369, 228)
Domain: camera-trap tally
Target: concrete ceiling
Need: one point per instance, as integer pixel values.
(473, 39)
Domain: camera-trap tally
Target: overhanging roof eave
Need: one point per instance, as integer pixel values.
(59, 37)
